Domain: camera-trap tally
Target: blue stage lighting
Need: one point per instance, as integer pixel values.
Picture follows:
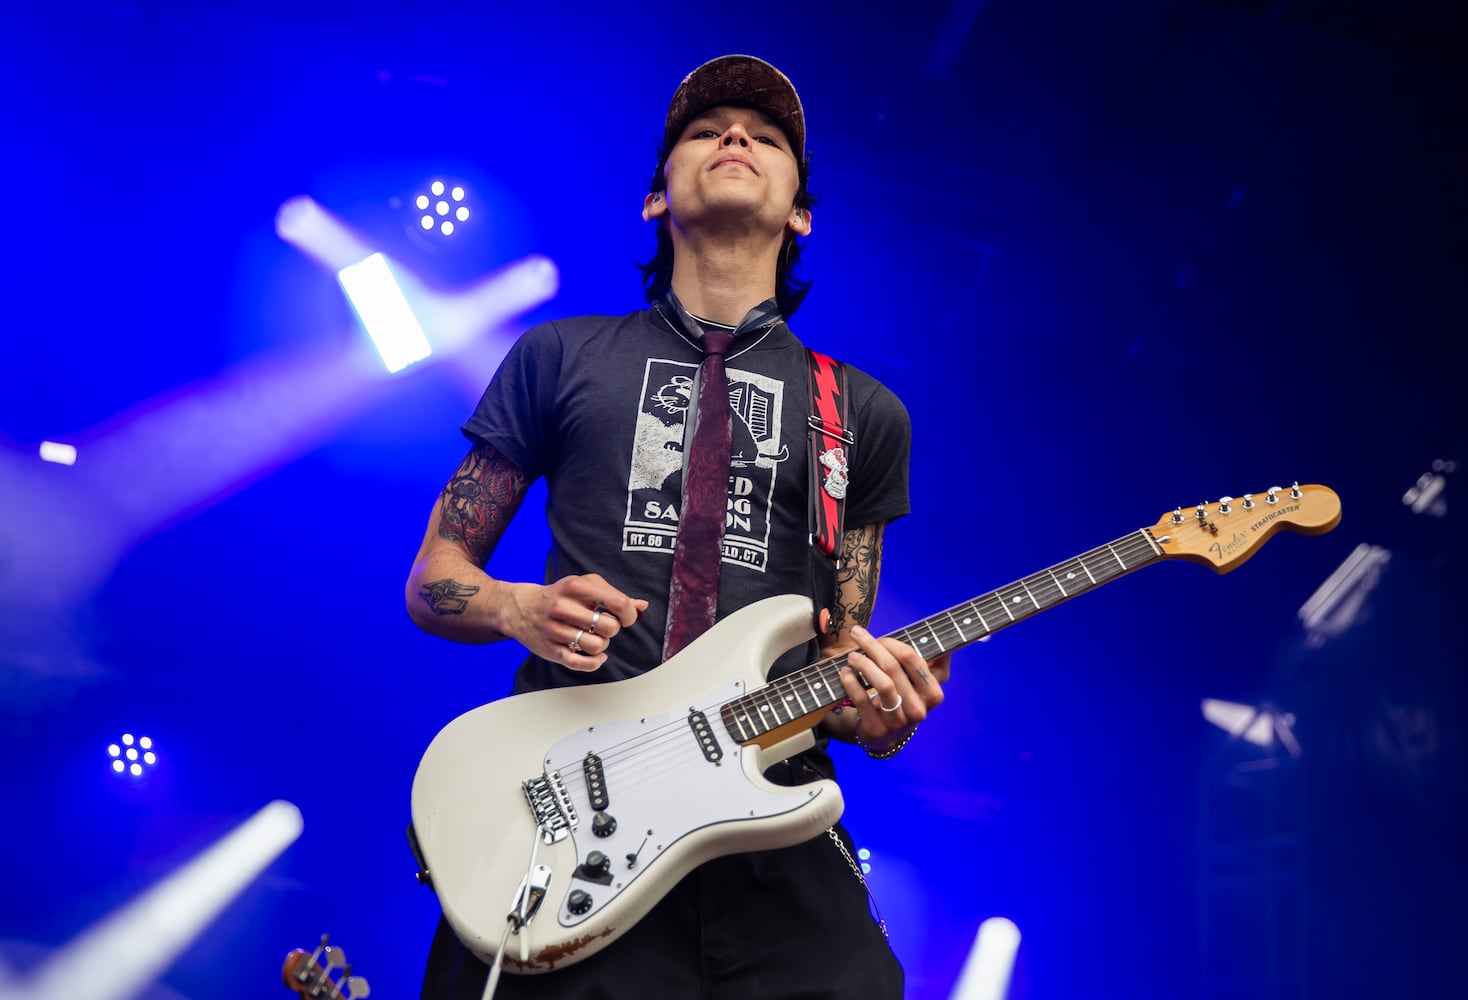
(134, 756)
(380, 304)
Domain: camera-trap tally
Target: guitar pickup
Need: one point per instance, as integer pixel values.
(704, 734)
(596, 782)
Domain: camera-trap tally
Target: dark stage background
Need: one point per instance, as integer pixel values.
(1115, 257)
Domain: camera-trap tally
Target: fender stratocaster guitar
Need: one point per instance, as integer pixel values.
(550, 822)
(324, 974)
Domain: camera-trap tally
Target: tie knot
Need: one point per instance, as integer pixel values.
(716, 342)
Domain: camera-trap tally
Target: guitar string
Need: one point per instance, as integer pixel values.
(792, 691)
(786, 697)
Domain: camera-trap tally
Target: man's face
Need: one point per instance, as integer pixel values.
(731, 166)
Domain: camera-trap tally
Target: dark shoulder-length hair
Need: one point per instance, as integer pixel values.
(657, 274)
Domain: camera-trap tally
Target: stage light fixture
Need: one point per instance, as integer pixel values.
(866, 857)
(61, 454)
(1340, 602)
(1264, 726)
(442, 208)
(385, 312)
(133, 756)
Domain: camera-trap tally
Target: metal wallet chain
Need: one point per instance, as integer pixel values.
(856, 870)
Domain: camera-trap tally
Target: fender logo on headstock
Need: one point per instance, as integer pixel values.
(1236, 541)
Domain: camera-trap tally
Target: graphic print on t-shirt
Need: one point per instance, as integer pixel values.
(655, 488)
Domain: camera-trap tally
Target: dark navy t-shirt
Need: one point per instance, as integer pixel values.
(596, 405)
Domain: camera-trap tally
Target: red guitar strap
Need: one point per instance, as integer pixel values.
(831, 442)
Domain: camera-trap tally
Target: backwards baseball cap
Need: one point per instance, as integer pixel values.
(737, 80)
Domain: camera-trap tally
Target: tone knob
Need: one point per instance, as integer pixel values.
(578, 902)
(598, 863)
(603, 824)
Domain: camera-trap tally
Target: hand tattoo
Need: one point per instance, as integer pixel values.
(447, 597)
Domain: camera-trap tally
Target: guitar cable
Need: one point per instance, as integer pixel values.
(522, 911)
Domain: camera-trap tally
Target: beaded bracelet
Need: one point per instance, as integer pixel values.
(890, 751)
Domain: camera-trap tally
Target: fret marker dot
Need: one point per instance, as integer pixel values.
(764, 708)
(1017, 599)
(1070, 576)
(923, 640)
(967, 621)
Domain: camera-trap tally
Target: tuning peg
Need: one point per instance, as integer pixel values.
(358, 989)
(335, 958)
(1202, 514)
(1249, 501)
(1223, 505)
(1273, 495)
(1177, 515)
(1295, 491)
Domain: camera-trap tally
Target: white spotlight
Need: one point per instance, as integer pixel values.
(61, 454)
(990, 964)
(124, 953)
(132, 755)
(385, 312)
(442, 203)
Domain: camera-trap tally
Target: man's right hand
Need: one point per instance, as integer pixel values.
(571, 621)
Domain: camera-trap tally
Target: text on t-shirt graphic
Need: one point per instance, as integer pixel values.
(655, 482)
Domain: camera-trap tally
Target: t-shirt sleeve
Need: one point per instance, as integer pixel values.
(879, 476)
(515, 415)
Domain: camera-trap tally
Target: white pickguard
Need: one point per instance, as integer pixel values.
(661, 788)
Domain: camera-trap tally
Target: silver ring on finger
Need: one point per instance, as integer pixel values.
(575, 644)
(893, 708)
(595, 617)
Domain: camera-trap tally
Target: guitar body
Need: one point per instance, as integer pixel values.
(671, 806)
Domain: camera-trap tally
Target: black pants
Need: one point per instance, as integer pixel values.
(789, 924)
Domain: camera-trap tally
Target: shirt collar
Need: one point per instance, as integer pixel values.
(761, 317)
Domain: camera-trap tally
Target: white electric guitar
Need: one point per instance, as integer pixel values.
(551, 822)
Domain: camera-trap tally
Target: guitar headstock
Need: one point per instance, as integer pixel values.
(1225, 533)
(324, 974)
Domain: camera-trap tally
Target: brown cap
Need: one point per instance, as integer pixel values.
(737, 80)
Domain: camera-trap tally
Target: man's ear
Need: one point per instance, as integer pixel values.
(653, 206)
(799, 221)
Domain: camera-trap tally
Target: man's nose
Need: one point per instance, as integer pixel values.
(734, 134)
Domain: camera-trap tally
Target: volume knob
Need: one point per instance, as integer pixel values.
(578, 902)
(603, 824)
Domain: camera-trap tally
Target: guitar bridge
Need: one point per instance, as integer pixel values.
(551, 806)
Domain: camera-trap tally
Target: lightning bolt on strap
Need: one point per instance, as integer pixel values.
(831, 442)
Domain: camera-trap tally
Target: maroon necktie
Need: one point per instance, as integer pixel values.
(693, 595)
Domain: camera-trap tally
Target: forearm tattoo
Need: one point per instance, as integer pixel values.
(479, 501)
(856, 581)
(447, 597)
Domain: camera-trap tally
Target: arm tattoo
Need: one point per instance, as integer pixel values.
(479, 501)
(856, 581)
(447, 597)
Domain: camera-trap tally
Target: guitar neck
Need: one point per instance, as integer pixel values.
(800, 699)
